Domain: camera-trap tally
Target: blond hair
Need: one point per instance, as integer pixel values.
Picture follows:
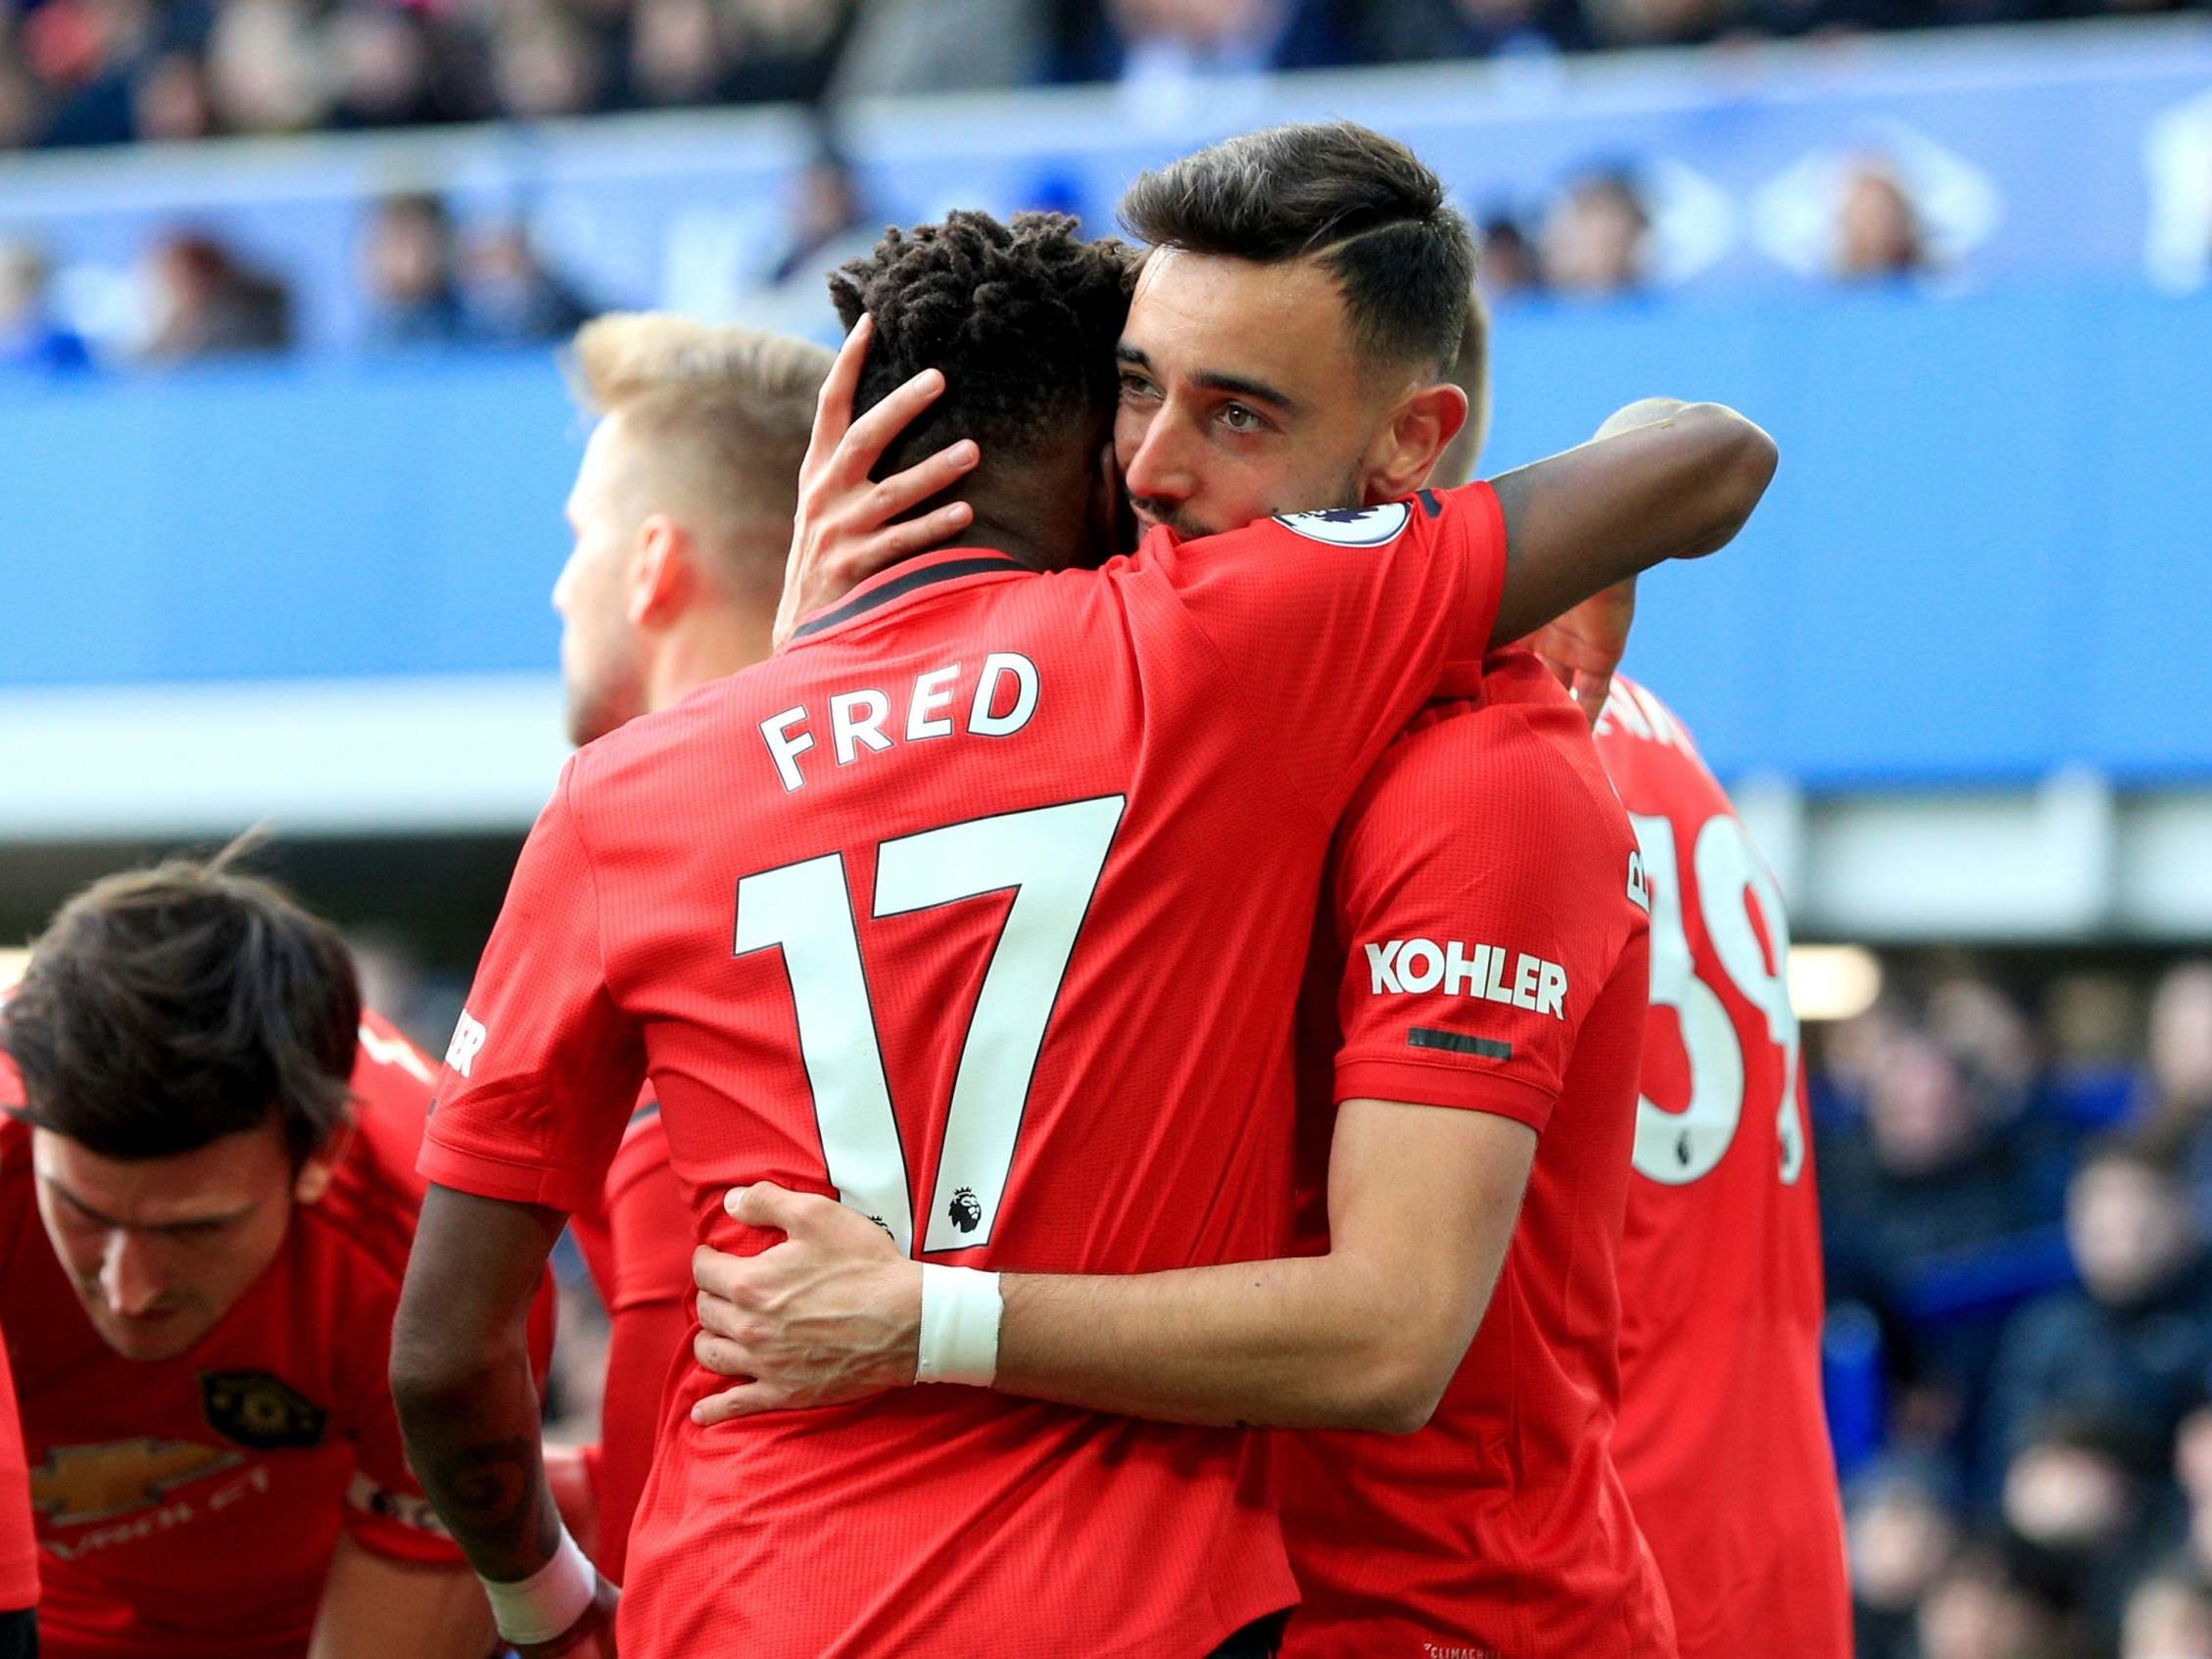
(724, 411)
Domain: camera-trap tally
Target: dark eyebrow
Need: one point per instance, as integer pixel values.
(1235, 385)
(90, 1214)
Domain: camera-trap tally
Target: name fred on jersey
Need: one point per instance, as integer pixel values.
(873, 719)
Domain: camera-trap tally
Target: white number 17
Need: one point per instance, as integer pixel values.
(1051, 858)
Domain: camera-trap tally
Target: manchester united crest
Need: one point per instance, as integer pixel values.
(259, 1411)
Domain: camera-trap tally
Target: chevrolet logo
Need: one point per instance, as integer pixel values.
(90, 1483)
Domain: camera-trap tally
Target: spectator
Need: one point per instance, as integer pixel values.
(173, 101)
(2077, 1498)
(208, 305)
(264, 68)
(826, 214)
(677, 52)
(1924, 1213)
(511, 297)
(2169, 1616)
(380, 63)
(1506, 259)
(410, 271)
(1594, 236)
(2133, 1344)
(829, 223)
(543, 64)
(86, 54)
(1982, 1608)
(1878, 235)
(1904, 1529)
(1153, 41)
(2179, 1070)
(30, 336)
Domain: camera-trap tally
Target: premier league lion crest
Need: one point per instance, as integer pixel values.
(965, 1211)
(259, 1411)
(1351, 527)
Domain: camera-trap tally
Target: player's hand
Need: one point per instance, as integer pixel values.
(843, 534)
(591, 1636)
(831, 1314)
(1583, 648)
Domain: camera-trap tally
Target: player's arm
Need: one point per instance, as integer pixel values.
(467, 1401)
(1663, 480)
(1421, 1206)
(373, 1607)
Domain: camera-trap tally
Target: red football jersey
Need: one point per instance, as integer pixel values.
(1722, 1439)
(1488, 943)
(188, 1508)
(979, 908)
(637, 1242)
(18, 1543)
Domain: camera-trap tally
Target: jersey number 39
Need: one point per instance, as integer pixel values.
(1675, 1148)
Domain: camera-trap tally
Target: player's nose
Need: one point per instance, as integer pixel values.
(130, 1278)
(1160, 470)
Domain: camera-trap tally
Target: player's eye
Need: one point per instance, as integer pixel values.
(1136, 386)
(1240, 417)
(197, 1231)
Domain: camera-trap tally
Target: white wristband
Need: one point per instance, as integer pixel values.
(959, 1339)
(542, 1605)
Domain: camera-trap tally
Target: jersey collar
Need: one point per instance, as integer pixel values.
(909, 576)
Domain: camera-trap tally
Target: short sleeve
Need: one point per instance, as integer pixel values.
(1482, 907)
(544, 1066)
(1336, 627)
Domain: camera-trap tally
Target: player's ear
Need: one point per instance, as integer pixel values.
(312, 1182)
(313, 1178)
(1406, 451)
(659, 574)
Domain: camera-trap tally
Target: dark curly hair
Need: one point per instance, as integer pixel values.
(164, 1009)
(1022, 318)
(1364, 205)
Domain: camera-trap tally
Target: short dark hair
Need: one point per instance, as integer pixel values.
(1364, 205)
(167, 1008)
(1022, 318)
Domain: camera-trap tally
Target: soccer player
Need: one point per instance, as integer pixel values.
(974, 824)
(1487, 846)
(206, 1191)
(681, 513)
(1723, 1440)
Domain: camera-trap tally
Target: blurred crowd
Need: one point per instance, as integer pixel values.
(422, 276)
(96, 72)
(2018, 1219)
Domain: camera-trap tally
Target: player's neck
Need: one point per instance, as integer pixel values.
(706, 648)
(1020, 543)
(1037, 520)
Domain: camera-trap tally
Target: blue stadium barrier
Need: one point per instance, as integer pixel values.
(1985, 555)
